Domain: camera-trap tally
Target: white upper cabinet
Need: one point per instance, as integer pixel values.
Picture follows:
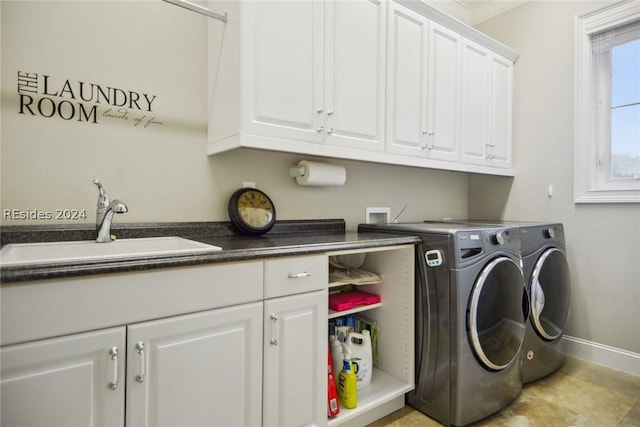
(444, 90)
(285, 74)
(502, 117)
(355, 33)
(407, 83)
(476, 103)
(423, 84)
(387, 81)
(487, 85)
(282, 65)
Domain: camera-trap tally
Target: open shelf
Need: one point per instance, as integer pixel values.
(393, 373)
(334, 314)
(383, 388)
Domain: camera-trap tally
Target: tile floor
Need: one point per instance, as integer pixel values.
(579, 394)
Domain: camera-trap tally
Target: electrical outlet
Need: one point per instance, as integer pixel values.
(248, 184)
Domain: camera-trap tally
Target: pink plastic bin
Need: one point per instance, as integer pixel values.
(347, 300)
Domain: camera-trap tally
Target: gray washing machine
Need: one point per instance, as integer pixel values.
(470, 318)
(546, 274)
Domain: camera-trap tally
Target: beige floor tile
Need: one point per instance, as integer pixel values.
(580, 394)
(405, 417)
(632, 419)
(603, 376)
(592, 401)
(535, 412)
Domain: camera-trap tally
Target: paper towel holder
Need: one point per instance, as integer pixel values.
(311, 173)
(296, 171)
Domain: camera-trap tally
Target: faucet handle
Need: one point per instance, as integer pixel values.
(103, 198)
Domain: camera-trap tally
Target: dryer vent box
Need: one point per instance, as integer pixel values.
(378, 215)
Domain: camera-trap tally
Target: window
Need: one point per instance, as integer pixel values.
(607, 134)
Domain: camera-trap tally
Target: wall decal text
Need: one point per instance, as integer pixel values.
(45, 96)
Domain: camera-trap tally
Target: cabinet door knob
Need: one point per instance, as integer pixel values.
(274, 329)
(141, 368)
(113, 353)
(320, 129)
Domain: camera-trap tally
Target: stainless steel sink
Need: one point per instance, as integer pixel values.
(77, 251)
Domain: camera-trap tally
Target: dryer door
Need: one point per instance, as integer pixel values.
(550, 294)
(496, 319)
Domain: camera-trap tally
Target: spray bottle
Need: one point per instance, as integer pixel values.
(333, 408)
(336, 356)
(348, 384)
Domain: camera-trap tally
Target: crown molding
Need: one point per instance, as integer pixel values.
(473, 12)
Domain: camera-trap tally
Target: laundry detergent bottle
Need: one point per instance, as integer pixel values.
(347, 386)
(359, 347)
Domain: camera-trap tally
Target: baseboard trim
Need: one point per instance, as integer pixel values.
(605, 355)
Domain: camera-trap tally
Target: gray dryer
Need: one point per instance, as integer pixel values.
(470, 318)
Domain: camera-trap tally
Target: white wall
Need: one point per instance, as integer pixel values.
(603, 241)
(162, 171)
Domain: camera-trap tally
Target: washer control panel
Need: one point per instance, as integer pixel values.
(498, 238)
(433, 258)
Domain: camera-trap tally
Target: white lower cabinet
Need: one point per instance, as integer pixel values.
(295, 361)
(295, 349)
(75, 380)
(247, 361)
(196, 370)
(256, 357)
(192, 370)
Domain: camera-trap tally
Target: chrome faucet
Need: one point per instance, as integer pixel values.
(104, 213)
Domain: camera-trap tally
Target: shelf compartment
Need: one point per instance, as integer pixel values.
(383, 388)
(333, 314)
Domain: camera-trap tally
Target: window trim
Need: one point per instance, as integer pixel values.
(586, 189)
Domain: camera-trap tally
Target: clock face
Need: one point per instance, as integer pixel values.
(255, 209)
(252, 211)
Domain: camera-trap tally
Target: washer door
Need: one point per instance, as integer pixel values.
(550, 294)
(496, 318)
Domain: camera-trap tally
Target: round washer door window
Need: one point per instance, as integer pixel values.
(496, 318)
(550, 294)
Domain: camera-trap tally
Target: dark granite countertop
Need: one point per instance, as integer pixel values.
(287, 238)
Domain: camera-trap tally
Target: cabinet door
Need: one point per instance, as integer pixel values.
(196, 370)
(284, 52)
(407, 83)
(69, 381)
(444, 96)
(424, 80)
(355, 34)
(295, 360)
(502, 110)
(476, 103)
(487, 102)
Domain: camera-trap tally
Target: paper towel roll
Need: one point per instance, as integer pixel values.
(321, 174)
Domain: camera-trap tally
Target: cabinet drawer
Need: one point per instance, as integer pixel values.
(49, 308)
(294, 275)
